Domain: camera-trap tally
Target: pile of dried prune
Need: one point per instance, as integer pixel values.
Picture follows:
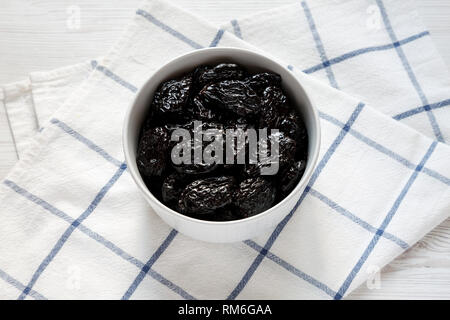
(223, 98)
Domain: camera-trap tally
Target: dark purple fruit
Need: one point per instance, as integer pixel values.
(233, 96)
(172, 97)
(254, 195)
(172, 187)
(206, 195)
(152, 154)
(222, 97)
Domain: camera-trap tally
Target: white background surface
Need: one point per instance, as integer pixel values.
(34, 36)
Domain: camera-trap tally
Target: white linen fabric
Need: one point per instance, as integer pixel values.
(75, 226)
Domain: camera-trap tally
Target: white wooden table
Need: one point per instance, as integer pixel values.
(35, 35)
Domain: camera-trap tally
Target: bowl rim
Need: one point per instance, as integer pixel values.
(134, 172)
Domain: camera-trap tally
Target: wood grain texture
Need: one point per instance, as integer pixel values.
(35, 36)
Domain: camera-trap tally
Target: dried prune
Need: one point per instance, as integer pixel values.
(198, 110)
(196, 146)
(221, 72)
(206, 195)
(231, 95)
(260, 81)
(290, 177)
(289, 123)
(172, 96)
(152, 153)
(255, 195)
(172, 187)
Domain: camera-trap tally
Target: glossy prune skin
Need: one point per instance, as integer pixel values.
(233, 96)
(206, 195)
(199, 145)
(172, 187)
(273, 101)
(260, 81)
(199, 111)
(152, 153)
(172, 97)
(220, 72)
(274, 96)
(287, 148)
(290, 177)
(254, 195)
(290, 124)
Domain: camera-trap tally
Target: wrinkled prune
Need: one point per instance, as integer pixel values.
(255, 195)
(231, 95)
(273, 103)
(291, 176)
(221, 72)
(172, 96)
(287, 148)
(259, 82)
(206, 195)
(222, 97)
(152, 154)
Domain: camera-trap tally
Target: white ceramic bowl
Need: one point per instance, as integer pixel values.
(229, 231)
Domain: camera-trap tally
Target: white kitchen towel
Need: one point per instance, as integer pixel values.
(395, 69)
(75, 226)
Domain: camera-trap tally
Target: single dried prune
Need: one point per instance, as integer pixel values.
(273, 99)
(221, 72)
(290, 124)
(274, 96)
(254, 196)
(291, 176)
(232, 95)
(172, 96)
(197, 145)
(287, 148)
(152, 151)
(261, 81)
(206, 195)
(227, 213)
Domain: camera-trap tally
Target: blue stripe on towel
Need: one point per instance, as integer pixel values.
(146, 268)
(331, 150)
(97, 237)
(60, 243)
(168, 29)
